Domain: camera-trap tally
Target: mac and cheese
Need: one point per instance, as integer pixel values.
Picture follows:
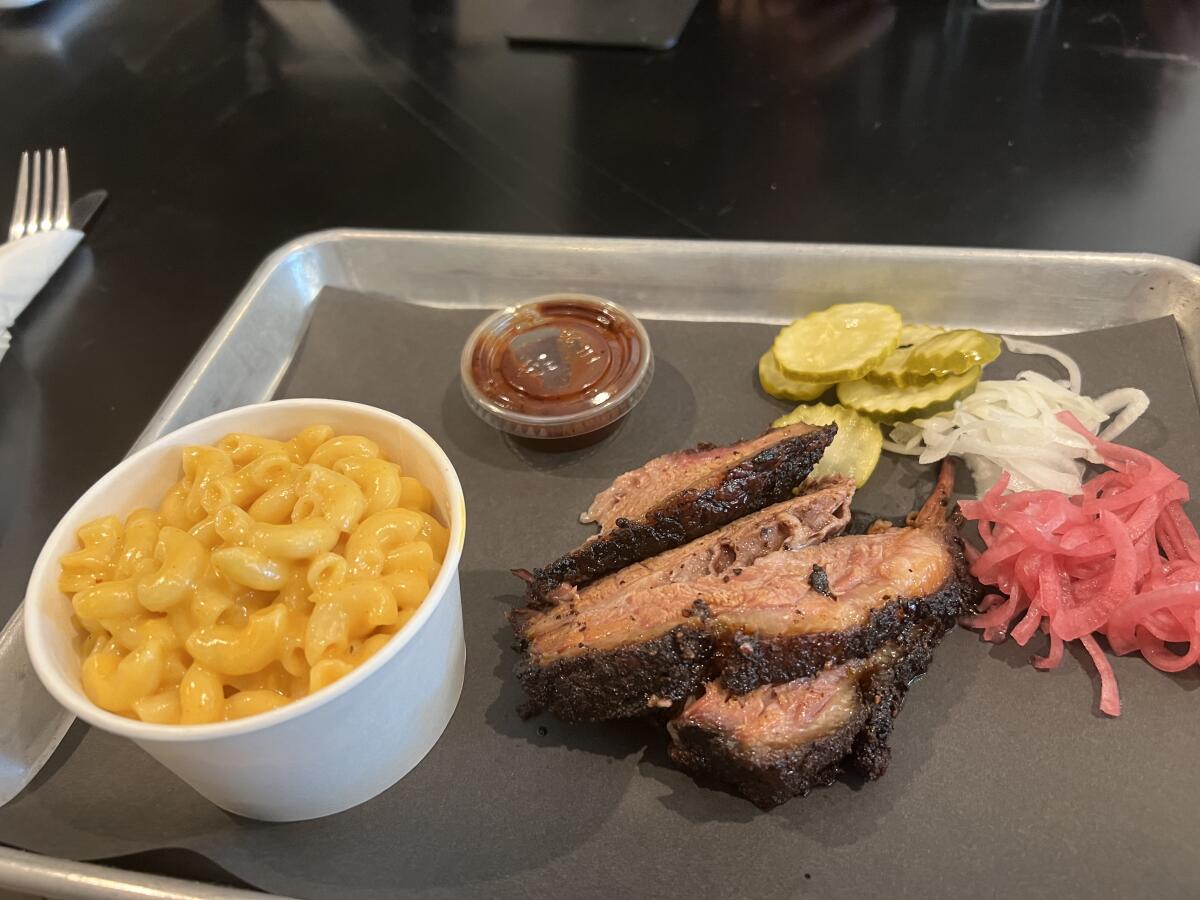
(269, 570)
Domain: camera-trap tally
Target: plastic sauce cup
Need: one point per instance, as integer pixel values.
(558, 366)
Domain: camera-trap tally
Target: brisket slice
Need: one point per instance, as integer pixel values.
(649, 648)
(766, 659)
(639, 490)
(682, 496)
(795, 523)
(780, 741)
(771, 622)
(678, 657)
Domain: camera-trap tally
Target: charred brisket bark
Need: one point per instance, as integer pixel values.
(769, 774)
(635, 680)
(716, 499)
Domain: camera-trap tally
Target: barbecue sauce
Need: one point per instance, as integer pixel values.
(556, 358)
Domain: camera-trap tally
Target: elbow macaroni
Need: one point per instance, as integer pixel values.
(270, 570)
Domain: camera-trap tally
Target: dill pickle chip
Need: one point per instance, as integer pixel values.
(890, 403)
(953, 353)
(779, 385)
(894, 369)
(855, 451)
(840, 343)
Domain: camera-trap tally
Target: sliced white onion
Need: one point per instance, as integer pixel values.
(1131, 403)
(1012, 426)
(1074, 374)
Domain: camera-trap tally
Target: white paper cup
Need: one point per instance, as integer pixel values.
(326, 752)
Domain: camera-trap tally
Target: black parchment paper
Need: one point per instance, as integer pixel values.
(1005, 782)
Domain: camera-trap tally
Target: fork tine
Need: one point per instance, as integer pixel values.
(35, 194)
(17, 227)
(47, 222)
(62, 210)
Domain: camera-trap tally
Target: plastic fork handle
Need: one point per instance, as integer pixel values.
(33, 724)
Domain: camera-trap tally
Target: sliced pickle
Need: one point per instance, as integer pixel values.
(854, 452)
(953, 353)
(779, 385)
(842, 342)
(894, 369)
(885, 403)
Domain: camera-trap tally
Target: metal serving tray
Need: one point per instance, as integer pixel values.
(1015, 292)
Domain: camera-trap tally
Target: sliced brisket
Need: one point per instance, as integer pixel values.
(682, 496)
(812, 517)
(780, 741)
(638, 670)
(629, 651)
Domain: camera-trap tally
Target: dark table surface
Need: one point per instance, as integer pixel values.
(222, 128)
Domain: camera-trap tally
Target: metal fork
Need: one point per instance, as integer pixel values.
(34, 723)
(44, 204)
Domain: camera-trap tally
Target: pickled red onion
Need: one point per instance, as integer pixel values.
(1120, 558)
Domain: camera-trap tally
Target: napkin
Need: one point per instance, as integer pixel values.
(25, 267)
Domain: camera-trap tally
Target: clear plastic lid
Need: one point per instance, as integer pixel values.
(557, 366)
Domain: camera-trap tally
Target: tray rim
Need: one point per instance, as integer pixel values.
(52, 876)
(308, 243)
(60, 877)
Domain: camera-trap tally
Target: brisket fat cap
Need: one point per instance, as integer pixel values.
(682, 496)
(780, 741)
